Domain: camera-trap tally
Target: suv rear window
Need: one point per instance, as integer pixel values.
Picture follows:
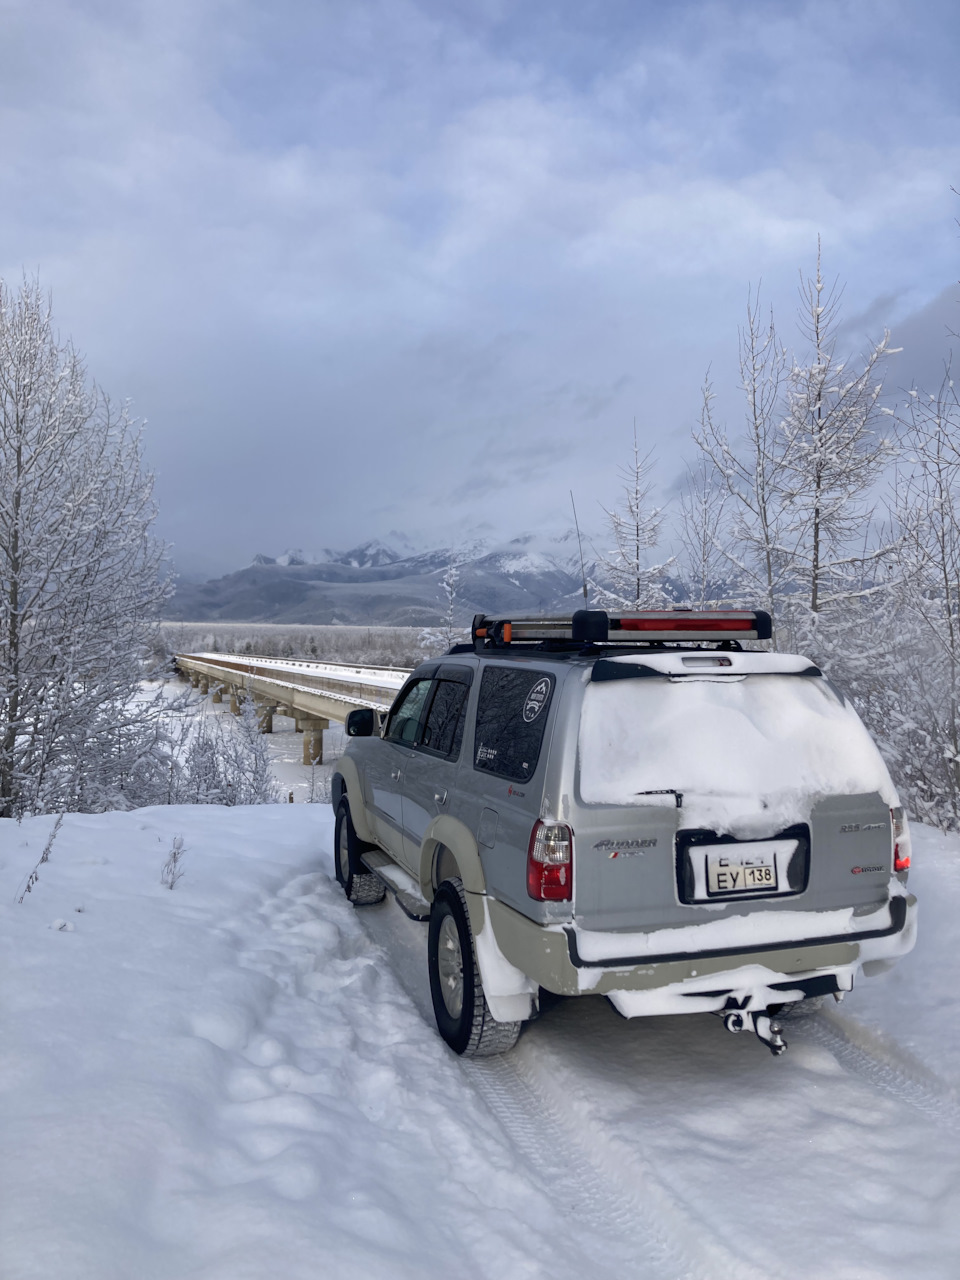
(511, 717)
(443, 730)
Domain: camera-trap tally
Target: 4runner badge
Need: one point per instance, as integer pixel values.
(625, 848)
(536, 700)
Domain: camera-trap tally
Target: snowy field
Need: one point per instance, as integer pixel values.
(239, 1080)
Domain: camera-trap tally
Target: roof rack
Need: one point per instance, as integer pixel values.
(595, 626)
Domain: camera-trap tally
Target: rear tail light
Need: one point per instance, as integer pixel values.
(550, 862)
(901, 840)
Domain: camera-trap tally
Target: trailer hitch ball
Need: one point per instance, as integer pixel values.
(769, 1031)
(766, 1028)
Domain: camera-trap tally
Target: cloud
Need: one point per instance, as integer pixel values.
(416, 264)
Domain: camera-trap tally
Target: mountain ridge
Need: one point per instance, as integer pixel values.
(376, 583)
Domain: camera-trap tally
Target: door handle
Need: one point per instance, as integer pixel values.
(395, 775)
(440, 797)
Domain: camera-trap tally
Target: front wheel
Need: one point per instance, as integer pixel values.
(463, 1016)
(362, 887)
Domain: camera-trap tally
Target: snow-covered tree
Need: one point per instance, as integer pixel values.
(922, 702)
(80, 580)
(437, 640)
(704, 565)
(751, 470)
(635, 524)
(802, 538)
(834, 447)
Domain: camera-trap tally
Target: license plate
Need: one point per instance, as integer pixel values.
(735, 872)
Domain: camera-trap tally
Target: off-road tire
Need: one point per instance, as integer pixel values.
(469, 1030)
(362, 887)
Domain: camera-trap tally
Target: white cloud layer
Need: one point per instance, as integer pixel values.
(419, 265)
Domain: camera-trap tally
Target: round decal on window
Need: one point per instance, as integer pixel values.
(536, 700)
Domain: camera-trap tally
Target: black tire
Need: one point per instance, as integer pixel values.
(362, 887)
(463, 1016)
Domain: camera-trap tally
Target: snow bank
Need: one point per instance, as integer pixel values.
(730, 744)
(225, 1080)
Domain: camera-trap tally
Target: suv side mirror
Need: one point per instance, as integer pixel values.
(360, 723)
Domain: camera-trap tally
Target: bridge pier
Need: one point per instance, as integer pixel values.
(195, 679)
(312, 731)
(217, 695)
(265, 714)
(204, 685)
(234, 700)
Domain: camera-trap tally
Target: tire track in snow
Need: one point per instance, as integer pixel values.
(640, 1186)
(643, 1213)
(883, 1064)
(535, 1129)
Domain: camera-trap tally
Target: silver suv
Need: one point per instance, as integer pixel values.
(633, 807)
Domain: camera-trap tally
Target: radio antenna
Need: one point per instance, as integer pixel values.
(576, 522)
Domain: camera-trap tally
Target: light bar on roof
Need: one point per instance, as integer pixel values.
(594, 626)
(673, 624)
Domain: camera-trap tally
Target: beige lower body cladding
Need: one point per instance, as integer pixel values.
(544, 954)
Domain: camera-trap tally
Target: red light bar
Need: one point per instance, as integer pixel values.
(685, 622)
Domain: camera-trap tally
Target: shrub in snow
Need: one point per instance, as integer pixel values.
(171, 871)
(227, 762)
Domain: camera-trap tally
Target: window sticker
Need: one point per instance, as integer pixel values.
(536, 700)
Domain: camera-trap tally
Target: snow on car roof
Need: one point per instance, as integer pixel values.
(716, 662)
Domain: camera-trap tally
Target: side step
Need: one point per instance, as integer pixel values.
(403, 886)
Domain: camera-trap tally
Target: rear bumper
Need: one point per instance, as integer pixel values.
(666, 980)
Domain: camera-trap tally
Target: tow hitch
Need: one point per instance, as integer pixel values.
(766, 1028)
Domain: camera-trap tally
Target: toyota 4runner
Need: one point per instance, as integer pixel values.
(633, 807)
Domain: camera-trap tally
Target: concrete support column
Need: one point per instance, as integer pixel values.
(217, 693)
(265, 714)
(312, 731)
(195, 679)
(204, 684)
(234, 699)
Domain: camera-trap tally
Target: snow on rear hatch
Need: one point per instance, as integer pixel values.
(747, 751)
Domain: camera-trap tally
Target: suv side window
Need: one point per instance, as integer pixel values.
(406, 712)
(511, 718)
(443, 731)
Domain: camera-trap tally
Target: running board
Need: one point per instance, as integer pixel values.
(403, 887)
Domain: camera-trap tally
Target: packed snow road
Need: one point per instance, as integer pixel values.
(239, 1079)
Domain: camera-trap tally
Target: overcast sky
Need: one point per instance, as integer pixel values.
(367, 266)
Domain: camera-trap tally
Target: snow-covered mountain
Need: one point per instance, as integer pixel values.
(383, 583)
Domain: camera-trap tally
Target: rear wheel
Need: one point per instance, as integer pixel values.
(463, 1016)
(361, 886)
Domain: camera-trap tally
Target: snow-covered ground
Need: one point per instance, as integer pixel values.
(239, 1079)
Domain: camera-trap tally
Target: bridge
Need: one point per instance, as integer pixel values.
(311, 693)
